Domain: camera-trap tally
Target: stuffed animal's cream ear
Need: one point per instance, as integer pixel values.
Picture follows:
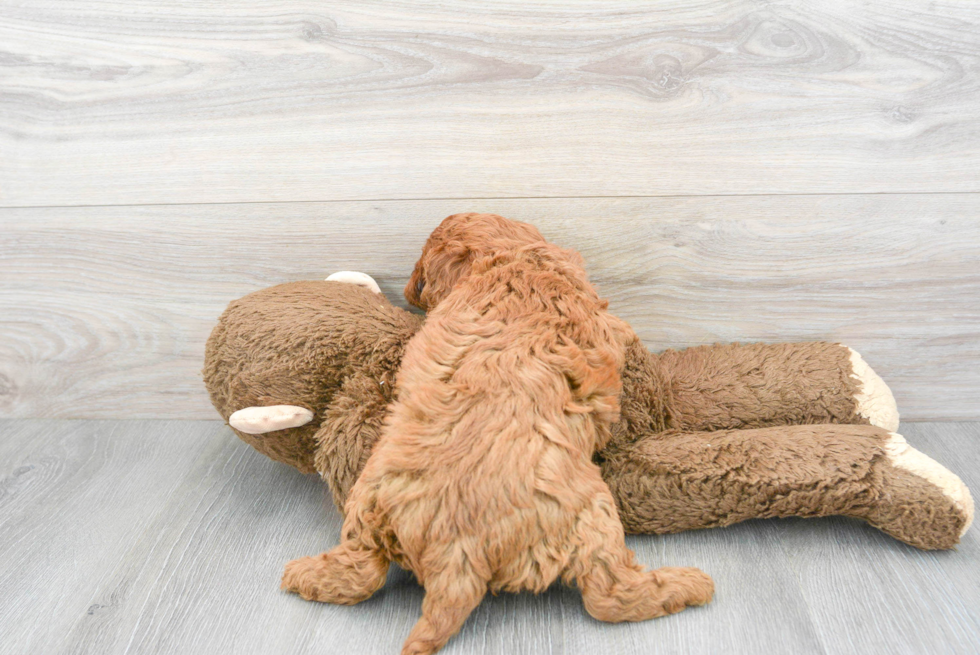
(259, 420)
(353, 277)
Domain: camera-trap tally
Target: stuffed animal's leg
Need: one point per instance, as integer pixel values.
(684, 481)
(346, 575)
(614, 587)
(451, 595)
(761, 385)
(922, 502)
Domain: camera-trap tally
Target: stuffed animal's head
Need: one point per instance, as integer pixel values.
(280, 358)
(451, 250)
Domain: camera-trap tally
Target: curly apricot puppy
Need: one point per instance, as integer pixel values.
(483, 477)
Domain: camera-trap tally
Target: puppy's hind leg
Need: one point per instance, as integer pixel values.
(614, 587)
(346, 575)
(451, 594)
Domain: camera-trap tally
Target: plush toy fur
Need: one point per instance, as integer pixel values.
(709, 436)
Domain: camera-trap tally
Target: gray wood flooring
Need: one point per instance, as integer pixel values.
(170, 536)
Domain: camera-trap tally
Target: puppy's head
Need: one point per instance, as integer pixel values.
(454, 246)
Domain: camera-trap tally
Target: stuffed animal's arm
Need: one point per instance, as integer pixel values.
(679, 481)
(761, 385)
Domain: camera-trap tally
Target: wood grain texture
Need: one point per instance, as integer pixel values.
(104, 311)
(861, 586)
(74, 499)
(165, 537)
(146, 102)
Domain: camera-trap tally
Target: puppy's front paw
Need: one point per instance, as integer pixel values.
(301, 575)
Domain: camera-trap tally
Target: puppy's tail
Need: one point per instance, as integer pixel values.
(451, 594)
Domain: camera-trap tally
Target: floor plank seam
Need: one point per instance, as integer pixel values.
(501, 198)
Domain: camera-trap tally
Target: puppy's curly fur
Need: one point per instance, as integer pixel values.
(483, 478)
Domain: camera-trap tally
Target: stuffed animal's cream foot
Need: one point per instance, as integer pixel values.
(259, 420)
(920, 501)
(354, 277)
(875, 401)
(904, 456)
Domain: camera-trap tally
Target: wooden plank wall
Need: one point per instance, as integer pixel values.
(731, 171)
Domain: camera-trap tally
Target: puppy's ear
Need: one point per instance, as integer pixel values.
(453, 248)
(415, 287)
(440, 268)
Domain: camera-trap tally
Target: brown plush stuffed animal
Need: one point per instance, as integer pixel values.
(708, 436)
